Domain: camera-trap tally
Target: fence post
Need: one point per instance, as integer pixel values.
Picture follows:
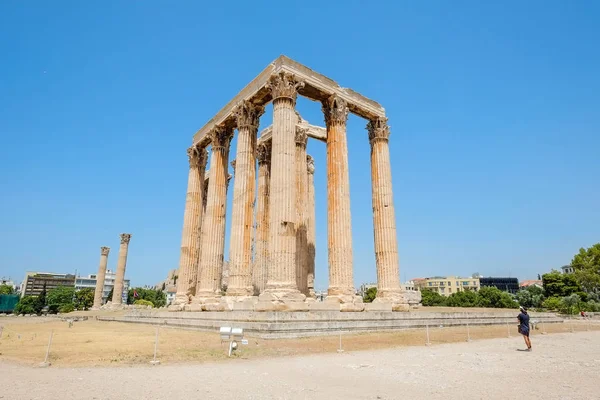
(340, 350)
(428, 343)
(468, 333)
(46, 363)
(155, 361)
(508, 329)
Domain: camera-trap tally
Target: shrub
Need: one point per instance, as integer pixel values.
(66, 308)
(429, 298)
(142, 302)
(552, 303)
(27, 305)
(370, 295)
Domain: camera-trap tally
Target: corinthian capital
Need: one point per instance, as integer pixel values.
(221, 137)
(284, 85)
(310, 164)
(197, 156)
(104, 250)
(301, 136)
(125, 238)
(378, 130)
(247, 115)
(335, 110)
(263, 153)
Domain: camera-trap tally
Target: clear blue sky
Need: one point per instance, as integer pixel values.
(494, 109)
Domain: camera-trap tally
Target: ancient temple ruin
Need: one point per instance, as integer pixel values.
(278, 214)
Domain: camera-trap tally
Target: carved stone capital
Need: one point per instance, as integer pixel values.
(104, 250)
(125, 238)
(310, 164)
(335, 110)
(247, 115)
(301, 136)
(263, 153)
(284, 85)
(221, 137)
(378, 130)
(197, 157)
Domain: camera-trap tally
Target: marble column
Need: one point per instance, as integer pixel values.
(281, 284)
(99, 292)
(192, 224)
(240, 246)
(301, 209)
(121, 264)
(261, 255)
(311, 226)
(213, 227)
(384, 219)
(341, 283)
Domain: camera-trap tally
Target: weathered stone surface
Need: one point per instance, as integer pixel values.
(192, 225)
(261, 257)
(311, 227)
(213, 226)
(100, 276)
(117, 298)
(339, 235)
(240, 256)
(378, 307)
(301, 211)
(282, 227)
(351, 307)
(323, 306)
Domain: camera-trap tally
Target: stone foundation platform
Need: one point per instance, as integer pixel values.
(276, 325)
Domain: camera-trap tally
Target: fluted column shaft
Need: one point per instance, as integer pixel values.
(338, 199)
(192, 224)
(282, 219)
(311, 226)
(261, 256)
(121, 265)
(301, 207)
(99, 292)
(213, 227)
(240, 255)
(384, 219)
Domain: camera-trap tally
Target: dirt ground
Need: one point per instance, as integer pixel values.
(561, 366)
(94, 344)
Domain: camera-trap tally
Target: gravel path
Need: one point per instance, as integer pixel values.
(562, 366)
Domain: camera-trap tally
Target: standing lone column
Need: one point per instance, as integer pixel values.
(311, 226)
(301, 207)
(121, 264)
(341, 283)
(384, 219)
(213, 229)
(192, 224)
(99, 292)
(240, 248)
(281, 284)
(261, 256)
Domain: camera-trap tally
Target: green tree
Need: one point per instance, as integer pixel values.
(84, 299)
(525, 298)
(430, 298)
(552, 303)
(156, 297)
(60, 296)
(569, 303)
(27, 305)
(463, 299)
(559, 285)
(143, 303)
(6, 289)
(586, 267)
(370, 295)
(110, 294)
(41, 300)
(495, 298)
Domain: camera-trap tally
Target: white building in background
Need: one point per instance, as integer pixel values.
(83, 282)
(567, 269)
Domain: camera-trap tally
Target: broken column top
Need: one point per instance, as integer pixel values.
(316, 87)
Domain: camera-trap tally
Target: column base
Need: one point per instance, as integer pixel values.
(281, 300)
(347, 302)
(397, 298)
(242, 291)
